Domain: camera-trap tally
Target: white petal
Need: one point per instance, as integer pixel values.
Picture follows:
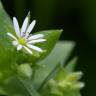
(12, 36)
(37, 36)
(24, 26)
(15, 43)
(28, 50)
(16, 26)
(35, 48)
(19, 47)
(31, 26)
(36, 41)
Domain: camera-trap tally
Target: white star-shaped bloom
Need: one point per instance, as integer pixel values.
(24, 39)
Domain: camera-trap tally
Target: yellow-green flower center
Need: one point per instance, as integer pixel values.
(22, 41)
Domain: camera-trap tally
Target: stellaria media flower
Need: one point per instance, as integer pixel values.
(23, 38)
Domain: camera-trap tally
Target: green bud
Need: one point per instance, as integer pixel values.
(74, 76)
(25, 70)
(53, 85)
(64, 84)
(51, 82)
(56, 91)
(79, 85)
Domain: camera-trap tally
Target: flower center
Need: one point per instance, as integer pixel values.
(22, 41)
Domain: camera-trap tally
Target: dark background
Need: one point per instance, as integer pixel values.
(76, 17)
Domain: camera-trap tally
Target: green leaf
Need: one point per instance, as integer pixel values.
(7, 52)
(51, 37)
(2, 92)
(71, 65)
(15, 86)
(59, 55)
(61, 74)
(28, 85)
(7, 56)
(12, 86)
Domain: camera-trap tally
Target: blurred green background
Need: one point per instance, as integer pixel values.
(76, 17)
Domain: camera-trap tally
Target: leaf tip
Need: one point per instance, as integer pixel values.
(60, 30)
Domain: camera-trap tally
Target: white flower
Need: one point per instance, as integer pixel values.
(24, 39)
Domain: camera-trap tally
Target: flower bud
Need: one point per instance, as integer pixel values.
(79, 85)
(74, 76)
(64, 84)
(24, 70)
